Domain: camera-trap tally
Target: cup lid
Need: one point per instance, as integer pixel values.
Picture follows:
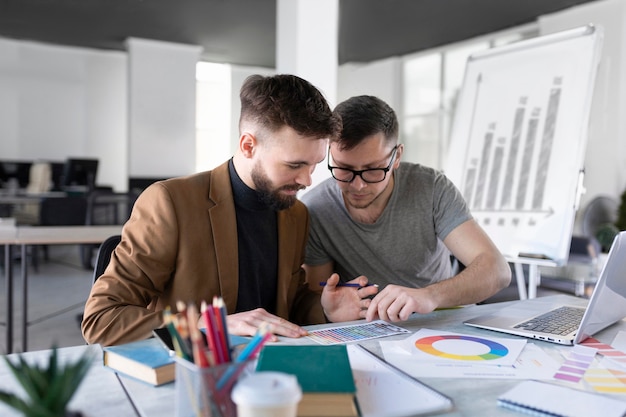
(267, 388)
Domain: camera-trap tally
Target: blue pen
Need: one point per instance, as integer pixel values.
(245, 353)
(350, 284)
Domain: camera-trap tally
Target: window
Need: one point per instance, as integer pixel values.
(432, 81)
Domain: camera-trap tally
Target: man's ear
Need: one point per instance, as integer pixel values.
(399, 151)
(247, 144)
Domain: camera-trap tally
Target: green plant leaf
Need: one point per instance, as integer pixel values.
(14, 401)
(50, 387)
(24, 374)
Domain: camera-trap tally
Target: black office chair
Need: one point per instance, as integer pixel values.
(102, 260)
(104, 255)
(105, 207)
(60, 211)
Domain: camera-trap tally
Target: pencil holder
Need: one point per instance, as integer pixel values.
(206, 392)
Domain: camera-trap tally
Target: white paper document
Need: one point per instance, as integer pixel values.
(383, 391)
(529, 361)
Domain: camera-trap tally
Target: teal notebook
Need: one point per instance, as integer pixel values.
(323, 372)
(318, 368)
(147, 360)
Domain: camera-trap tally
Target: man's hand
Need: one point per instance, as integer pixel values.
(397, 303)
(346, 303)
(248, 322)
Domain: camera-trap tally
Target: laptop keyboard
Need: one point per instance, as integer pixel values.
(561, 321)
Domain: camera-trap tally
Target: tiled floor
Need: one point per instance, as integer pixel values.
(57, 292)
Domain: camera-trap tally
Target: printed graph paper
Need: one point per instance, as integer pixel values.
(355, 332)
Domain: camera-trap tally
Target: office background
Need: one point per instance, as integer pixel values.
(134, 108)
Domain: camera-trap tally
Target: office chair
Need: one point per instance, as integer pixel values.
(105, 207)
(104, 255)
(102, 260)
(59, 211)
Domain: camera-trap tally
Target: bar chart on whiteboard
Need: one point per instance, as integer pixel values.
(502, 173)
(518, 140)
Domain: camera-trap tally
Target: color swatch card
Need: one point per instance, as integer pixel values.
(577, 361)
(437, 346)
(608, 351)
(609, 377)
(355, 332)
(606, 378)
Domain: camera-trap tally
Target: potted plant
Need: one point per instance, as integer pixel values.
(605, 234)
(48, 388)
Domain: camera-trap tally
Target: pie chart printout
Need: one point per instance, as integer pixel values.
(462, 347)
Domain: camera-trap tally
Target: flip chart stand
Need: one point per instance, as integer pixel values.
(517, 145)
(534, 275)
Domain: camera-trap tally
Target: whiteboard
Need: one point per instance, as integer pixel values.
(518, 140)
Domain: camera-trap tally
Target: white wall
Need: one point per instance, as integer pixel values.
(605, 158)
(58, 101)
(63, 101)
(381, 78)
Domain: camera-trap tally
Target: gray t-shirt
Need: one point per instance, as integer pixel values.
(404, 246)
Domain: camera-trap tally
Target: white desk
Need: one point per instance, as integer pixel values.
(534, 276)
(472, 397)
(99, 395)
(40, 235)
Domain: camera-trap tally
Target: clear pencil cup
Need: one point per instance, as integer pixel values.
(206, 392)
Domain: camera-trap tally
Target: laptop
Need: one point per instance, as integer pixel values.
(606, 306)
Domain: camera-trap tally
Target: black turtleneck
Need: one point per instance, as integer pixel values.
(257, 234)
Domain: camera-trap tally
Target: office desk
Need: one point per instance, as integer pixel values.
(22, 197)
(472, 397)
(40, 235)
(10, 200)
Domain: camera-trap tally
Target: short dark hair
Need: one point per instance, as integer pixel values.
(287, 100)
(363, 116)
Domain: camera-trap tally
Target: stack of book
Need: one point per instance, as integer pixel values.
(146, 360)
(323, 372)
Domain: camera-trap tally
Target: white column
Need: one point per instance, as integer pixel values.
(306, 46)
(162, 108)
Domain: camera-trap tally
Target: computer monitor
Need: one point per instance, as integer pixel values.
(57, 169)
(79, 174)
(17, 170)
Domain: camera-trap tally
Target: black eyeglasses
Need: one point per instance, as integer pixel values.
(371, 176)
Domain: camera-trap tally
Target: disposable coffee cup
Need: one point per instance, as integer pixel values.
(267, 394)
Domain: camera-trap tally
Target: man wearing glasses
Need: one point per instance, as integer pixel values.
(395, 224)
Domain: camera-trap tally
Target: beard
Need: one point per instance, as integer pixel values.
(269, 194)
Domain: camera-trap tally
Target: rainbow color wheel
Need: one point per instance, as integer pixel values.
(496, 350)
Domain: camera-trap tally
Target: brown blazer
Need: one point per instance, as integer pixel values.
(180, 243)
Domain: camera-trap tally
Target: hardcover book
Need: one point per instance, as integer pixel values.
(323, 372)
(146, 360)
